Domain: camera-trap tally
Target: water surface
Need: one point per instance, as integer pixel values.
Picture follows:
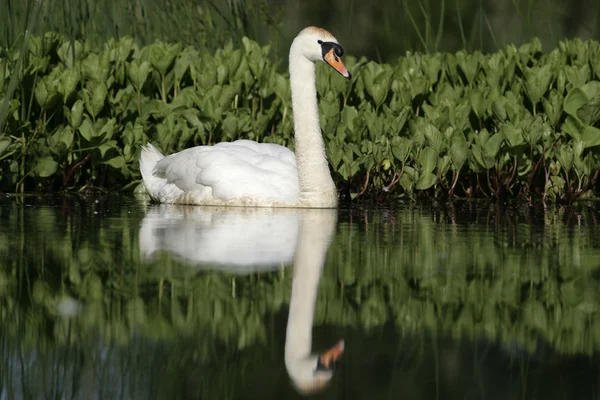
(111, 297)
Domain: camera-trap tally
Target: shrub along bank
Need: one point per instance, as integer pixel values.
(516, 123)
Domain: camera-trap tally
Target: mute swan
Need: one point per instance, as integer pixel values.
(247, 173)
(306, 235)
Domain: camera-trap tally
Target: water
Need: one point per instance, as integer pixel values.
(113, 298)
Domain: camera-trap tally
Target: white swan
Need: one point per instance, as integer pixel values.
(247, 173)
(277, 235)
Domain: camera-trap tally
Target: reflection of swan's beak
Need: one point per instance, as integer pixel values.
(328, 359)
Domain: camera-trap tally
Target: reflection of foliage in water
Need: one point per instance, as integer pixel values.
(512, 275)
(490, 273)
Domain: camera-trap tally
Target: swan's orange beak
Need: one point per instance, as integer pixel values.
(332, 59)
(329, 358)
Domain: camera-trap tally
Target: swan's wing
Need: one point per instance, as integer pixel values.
(180, 168)
(234, 170)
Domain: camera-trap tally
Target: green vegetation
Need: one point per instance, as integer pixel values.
(518, 122)
(204, 24)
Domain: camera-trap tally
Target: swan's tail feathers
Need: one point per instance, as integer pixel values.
(148, 159)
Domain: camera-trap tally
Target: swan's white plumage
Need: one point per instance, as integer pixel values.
(226, 171)
(247, 173)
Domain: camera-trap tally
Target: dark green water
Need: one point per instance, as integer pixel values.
(112, 298)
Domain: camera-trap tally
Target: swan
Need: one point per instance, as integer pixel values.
(277, 236)
(247, 173)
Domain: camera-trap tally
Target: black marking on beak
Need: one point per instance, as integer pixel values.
(327, 46)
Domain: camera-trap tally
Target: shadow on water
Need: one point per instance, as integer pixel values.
(112, 298)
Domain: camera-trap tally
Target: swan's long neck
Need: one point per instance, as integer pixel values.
(313, 169)
(315, 233)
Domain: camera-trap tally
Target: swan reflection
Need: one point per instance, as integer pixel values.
(237, 239)
(246, 240)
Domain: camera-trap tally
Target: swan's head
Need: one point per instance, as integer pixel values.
(312, 374)
(317, 44)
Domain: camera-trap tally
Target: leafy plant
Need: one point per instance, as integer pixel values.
(516, 123)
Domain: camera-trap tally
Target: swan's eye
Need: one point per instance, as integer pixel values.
(320, 41)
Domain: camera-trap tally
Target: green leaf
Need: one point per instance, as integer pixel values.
(87, 129)
(499, 110)
(537, 80)
(573, 127)
(553, 107)
(162, 55)
(469, 63)
(428, 159)
(492, 145)
(564, 155)
(138, 73)
(434, 138)
(230, 128)
(96, 67)
(577, 75)
(584, 103)
(407, 180)
(107, 146)
(116, 162)
(591, 136)
(348, 117)
(69, 52)
(532, 129)
(459, 150)
(68, 82)
(401, 148)
(443, 165)
(478, 102)
(432, 66)
(76, 114)
(459, 115)
(61, 140)
(377, 78)
(107, 129)
(46, 166)
(334, 154)
(513, 135)
(46, 92)
(426, 180)
(4, 143)
(98, 97)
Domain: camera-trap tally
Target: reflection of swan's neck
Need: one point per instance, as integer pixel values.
(313, 169)
(316, 230)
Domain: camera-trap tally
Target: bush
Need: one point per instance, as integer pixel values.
(513, 123)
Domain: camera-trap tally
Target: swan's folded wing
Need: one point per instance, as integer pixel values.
(180, 168)
(270, 149)
(234, 170)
